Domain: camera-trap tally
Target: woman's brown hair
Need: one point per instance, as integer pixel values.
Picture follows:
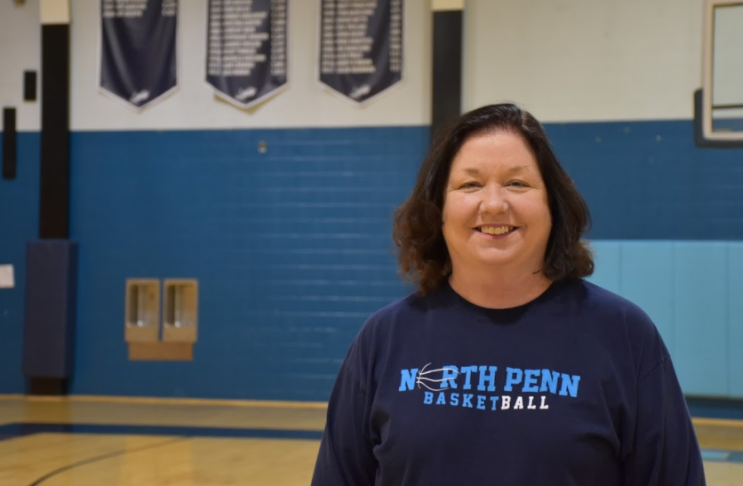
(423, 254)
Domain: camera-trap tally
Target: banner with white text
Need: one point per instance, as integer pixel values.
(138, 50)
(246, 49)
(361, 47)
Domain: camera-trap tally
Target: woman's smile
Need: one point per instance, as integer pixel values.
(496, 231)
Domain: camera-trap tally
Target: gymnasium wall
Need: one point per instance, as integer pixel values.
(614, 83)
(291, 247)
(20, 44)
(19, 198)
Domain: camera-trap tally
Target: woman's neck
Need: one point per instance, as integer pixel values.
(499, 290)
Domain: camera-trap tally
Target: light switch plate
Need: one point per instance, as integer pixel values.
(6, 277)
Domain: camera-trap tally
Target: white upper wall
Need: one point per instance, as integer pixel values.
(20, 50)
(305, 103)
(576, 60)
(565, 60)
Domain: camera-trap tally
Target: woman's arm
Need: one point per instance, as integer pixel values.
(345, 457)
(664, 451)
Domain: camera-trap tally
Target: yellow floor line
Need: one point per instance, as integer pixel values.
(10, 397)
(718, 422)
(248, 404)
(172, 401)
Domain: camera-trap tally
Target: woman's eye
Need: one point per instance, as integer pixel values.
(518, 184)
(469, 185)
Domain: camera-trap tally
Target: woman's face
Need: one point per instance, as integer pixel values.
(496, 211)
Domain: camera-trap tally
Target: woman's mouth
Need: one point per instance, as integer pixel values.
(501, 230)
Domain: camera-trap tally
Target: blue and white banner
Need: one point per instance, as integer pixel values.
(361, 47)
(246, 57)
(138, 50)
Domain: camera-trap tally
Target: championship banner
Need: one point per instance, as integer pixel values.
(138, 50)
(246, 49)
(361, 45)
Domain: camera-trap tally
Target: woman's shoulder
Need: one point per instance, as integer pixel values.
(407, 308)
(619, 318)
(401, 318)
(599, 300)
(393, 323)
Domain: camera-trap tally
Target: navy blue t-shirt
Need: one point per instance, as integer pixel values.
(574, 388)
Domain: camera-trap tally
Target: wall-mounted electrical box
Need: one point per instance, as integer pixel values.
(180, 310)
(142, 314)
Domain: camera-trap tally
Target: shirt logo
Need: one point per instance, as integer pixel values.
(514, 389)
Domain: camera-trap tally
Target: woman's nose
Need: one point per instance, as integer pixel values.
(495, 200)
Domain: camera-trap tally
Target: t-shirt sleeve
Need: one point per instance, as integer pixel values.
(346, 456)
(664, 450)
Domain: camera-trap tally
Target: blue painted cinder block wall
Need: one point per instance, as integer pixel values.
(292, 247)
(647, 180)
(19, 214)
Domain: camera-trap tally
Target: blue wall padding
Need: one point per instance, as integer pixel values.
(51, 279)
(692, 291)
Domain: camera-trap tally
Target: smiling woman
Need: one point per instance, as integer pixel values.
(460, 380)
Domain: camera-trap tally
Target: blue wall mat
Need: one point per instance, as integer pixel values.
(607, 258)
(292, 249)
(735, 318)
(19, 215)
(692, 291)
(701, 316)
(647, 180)
(647, 270)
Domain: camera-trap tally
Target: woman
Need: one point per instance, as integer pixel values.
(505, 368)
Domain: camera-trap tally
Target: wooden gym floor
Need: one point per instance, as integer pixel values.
(90, 441)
